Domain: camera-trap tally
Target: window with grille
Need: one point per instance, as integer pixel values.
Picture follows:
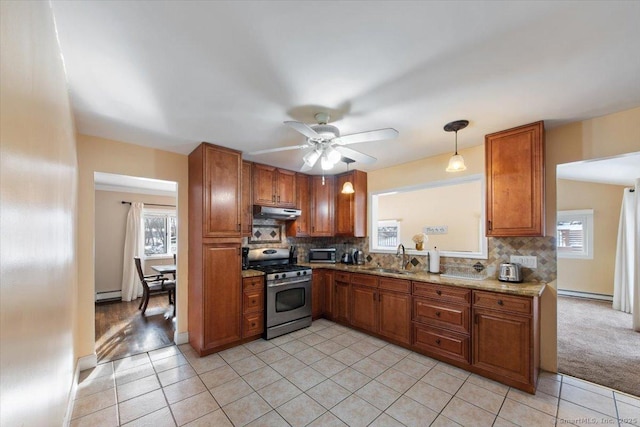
(574, 234)
(160, 233)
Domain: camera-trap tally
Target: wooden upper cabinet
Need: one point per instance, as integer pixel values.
(273, 187)
(247, 214)
(322, 206)
(514, 161)
(214, 191)
(301, 227)
(351, 209)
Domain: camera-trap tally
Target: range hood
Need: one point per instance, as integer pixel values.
(285, 214)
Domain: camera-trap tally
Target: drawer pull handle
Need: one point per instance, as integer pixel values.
(253, 325)
(439, 292)
(438, 313)
(253, 301)
(438, 341)
(500, 302)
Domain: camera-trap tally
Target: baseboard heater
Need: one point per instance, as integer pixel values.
(579, 294)
(108, 295)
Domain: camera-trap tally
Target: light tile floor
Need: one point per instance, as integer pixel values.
(328, 375)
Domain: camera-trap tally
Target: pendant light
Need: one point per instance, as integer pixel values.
(347, 187)
(456, 162)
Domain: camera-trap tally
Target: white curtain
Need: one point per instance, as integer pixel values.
(133, 246)
(626, 288)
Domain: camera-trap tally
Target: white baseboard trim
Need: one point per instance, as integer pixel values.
(101, 296)
(568, 293)
(180, 338)
(86, 362)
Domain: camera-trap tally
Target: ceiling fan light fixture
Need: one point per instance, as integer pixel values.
(456, 162)
(325, 162)
(311, 158)
(333, 155)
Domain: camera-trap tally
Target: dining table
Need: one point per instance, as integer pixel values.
(164, 269)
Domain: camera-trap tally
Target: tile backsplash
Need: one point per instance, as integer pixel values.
(500, 250)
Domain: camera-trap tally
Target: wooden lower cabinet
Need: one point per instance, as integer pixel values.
(318, 284)
(449, 346)
(252, 306)
(215, 297)
(506, 338)
(327, 302)
(394, 316)
(364, 304)
(341, 294)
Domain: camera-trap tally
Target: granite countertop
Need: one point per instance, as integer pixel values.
(251, 273)
(530, 289)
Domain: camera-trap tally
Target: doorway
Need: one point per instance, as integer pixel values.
(120, 327)
(595, 342)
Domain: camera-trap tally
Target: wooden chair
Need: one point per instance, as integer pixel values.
(155, 284)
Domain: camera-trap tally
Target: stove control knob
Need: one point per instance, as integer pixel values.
(298, 273)
(277, 276)
(304, 273)
(284, 275)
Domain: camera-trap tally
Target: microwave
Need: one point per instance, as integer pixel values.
(326, 255)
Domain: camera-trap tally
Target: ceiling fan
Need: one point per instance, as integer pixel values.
(328, 146)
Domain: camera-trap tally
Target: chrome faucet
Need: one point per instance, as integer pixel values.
(401, 247)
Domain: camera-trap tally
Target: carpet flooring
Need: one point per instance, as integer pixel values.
(597, 344)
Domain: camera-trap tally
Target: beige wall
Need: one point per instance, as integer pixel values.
(110, 223)
(592, 275)
(38, 220)
(102, 155)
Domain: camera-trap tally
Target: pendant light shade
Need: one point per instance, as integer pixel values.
(456, 162)
(347, 187)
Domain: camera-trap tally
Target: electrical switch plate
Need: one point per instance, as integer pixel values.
(525, 261)
(436, 229)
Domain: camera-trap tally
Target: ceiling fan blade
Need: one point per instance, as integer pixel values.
(275, 150)
(372, 135)
(356, 155)
(305, 168)
(303, 129)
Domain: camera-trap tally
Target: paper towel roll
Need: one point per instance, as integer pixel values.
(434, 261)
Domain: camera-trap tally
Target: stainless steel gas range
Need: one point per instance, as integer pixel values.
(288, 290)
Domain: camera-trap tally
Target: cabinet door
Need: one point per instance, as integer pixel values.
(222, 182)
(502, 344)
(395, 316)
(322, 203)
(515, 181)
(341, 301)
(300, 227)
(317, 294)
(329, 293)
(286, 189)
(247, 214)
(364, 313)
(264, 190)
(222, 294)
(351, 209)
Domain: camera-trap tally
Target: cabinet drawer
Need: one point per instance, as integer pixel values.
(342, 277)
(448, 316)
(364, 280)
(397, 285)
(502, 302)
(253, 283)
(252, 324)
(252, 301)
(444, 343)
(442, 292)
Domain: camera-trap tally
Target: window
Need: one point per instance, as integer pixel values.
(574, 232)
(388, 232)
(160, 237)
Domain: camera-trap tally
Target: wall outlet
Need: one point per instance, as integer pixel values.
(525, 261)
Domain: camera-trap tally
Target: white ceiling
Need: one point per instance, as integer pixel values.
(620, 170)
(172, 74)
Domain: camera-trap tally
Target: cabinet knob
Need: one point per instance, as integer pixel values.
(253, 301)
(438, 313)
(253, 325)
(439, 292)
(500, 302)
(438, 341)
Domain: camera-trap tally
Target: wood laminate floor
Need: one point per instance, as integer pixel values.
(121, 329)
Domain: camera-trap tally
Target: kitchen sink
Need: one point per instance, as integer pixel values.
(390, 270)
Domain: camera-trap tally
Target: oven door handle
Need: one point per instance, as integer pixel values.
(274, 285)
